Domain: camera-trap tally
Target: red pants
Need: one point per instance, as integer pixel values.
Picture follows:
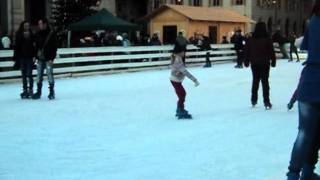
(181, 93)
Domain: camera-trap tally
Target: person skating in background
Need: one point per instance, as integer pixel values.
(46, 48)
(204, 44)
(293, 48)
(178, 73)
(278, 38)
(260, 54)
(308, 96)
(238, 41)
(24, 53)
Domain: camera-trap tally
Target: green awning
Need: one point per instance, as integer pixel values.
(102, 20)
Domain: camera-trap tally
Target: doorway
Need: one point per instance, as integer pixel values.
(169, 34)
(213, 35)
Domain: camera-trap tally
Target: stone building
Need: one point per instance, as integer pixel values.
(289, 15)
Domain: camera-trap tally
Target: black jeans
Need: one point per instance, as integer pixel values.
(240, 55)
(26, 66)
(306, 145)
(294, 51)
(260, 73)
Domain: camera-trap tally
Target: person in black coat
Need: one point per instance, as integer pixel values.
(46, 47)
(24, 53)
(204, 45)
(259, 52)
(238, 41)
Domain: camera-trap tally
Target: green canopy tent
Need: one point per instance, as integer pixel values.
(100, 21)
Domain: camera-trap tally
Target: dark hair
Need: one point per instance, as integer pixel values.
(21, 27)
(260, 31)
(45, 21)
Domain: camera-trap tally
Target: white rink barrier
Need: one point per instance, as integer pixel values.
(94, 60)
(73, 61)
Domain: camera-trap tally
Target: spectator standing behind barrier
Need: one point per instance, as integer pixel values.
(46, 47)
(260, 54)
(293, 47)
(238, 41)
(278, 38)
(1, 45)
(307, 142)
(204, 45)
(24, 54)
(6, 42)
(224, 40)
(155, 41)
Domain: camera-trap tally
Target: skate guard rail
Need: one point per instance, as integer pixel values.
(71, 61)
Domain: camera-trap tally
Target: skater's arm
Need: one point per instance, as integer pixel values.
(272, 54)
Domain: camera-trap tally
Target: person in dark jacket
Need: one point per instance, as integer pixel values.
(260, 54)
(278, 38)
(308, 96)
(46, 47)
(24, 53)
(238, 41)
(204, 45)
(293, 48)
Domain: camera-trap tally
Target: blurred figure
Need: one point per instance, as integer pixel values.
(155, 41)
(224, 40)
(182, 43)
(278, 38)
(293, 47)
(238, 41)
(204, 45)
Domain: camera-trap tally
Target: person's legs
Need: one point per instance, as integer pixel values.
(255, 84)
(298, 58)
(40, 70)
(265, 85)
(181, 93)
(30, 77)
(49, 70)
(309, 115)
(291, 59)
(23, 69)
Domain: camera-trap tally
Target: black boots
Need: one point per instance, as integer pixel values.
(26, 94)
(51, 95)
(51, 92)
(37, 95)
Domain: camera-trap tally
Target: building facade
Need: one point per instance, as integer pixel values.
(288, 15)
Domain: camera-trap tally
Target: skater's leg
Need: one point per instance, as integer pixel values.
(309, 115)
(265, 86)
(255, 84)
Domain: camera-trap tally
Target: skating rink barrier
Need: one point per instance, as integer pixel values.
(99, 60)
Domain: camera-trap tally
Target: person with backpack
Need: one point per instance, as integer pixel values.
(46, 48)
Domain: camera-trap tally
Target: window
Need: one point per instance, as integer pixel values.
(196, 2)
(216, 3)
(156, 4)
(238, 2)
(178, 2)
